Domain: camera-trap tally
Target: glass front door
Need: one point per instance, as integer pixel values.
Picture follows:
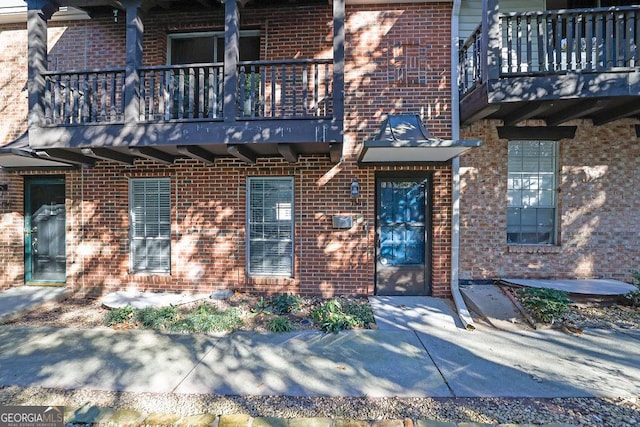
(401, 251)
(45, 259)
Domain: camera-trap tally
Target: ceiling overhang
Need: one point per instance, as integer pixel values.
(404, 139)
(18, 155)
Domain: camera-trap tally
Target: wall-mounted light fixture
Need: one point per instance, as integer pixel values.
(115, 15)
(355, 188)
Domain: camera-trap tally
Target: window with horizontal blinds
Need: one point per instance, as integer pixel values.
(531, 192)
(150, 233)
(270, 223)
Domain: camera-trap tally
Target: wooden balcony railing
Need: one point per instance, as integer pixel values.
(293, 89)
(556, 42)
(81, 97)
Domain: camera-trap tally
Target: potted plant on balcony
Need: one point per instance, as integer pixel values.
(251, 94)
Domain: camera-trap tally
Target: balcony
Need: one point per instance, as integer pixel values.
(244, 109)
(553, 65)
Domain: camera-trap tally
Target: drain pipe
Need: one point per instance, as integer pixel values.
(461, 307)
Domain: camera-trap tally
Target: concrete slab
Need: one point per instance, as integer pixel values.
(399, 313)
(578, 286)
(494, 363)
(141, 300)
(494, 307)
(14, 302)
(355, 363)
(100, 359)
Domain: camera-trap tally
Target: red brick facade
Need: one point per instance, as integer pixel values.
(208, 201)
(598, 224)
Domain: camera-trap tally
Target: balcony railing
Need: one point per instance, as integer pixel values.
(293, 89)
(556, 42)
(81, 97)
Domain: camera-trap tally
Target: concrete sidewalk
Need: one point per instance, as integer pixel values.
(417, 351)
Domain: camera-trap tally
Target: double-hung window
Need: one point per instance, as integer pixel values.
(150, 219)
(531, 191)
(270, 222)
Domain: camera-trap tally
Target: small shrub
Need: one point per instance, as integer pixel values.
(280, 324)
(362, 313)
(633, 298)
(285, 303)
(260, 306)
(331, 317)
(208, 319)
(119, 315)
(547, 305)
(156, 318)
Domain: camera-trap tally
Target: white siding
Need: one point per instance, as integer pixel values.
(471, 12)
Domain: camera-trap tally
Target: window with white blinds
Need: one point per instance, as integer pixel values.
(150, 234)
(531, 191)
(270, 223)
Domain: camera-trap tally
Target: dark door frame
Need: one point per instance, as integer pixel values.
(28, 255)
(427, 178)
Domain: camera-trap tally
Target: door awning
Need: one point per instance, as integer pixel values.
(18, 155)
(404, 139)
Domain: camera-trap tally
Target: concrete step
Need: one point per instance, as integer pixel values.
(494, 307)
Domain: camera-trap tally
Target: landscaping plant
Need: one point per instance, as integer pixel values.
(286, 303)
(280, 324)
(633, 298)
(119, 315)
(547, 305)
(157, 317)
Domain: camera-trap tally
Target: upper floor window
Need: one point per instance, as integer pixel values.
(207, 47)
(531, 192)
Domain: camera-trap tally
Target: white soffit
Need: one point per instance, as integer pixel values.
(15, 11)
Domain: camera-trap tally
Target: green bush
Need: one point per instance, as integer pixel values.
(208, 319)
(280, 324)
(285, 303)
(156, 318)
(633, 298)
(547, 305)
(331, 317)
(362, 313)
(119, 315)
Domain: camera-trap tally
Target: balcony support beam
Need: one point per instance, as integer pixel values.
(153, 154)
(526, 112)
(109, 155)
(38, 13)
(625, 110)
(585, 108)
(133, 60)
(67, 157)
(231, 58)
(196, 152)
(243, 153)
(288, 152)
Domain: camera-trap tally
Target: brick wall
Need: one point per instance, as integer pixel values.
(208, 201)
(598, 221)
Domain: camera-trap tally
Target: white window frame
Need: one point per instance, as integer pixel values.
(163, 233)
(288, 211)
(532, 195)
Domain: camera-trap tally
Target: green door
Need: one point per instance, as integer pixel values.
(402, 253)
(44, 242)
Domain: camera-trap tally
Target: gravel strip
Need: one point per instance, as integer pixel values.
(576, 411)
